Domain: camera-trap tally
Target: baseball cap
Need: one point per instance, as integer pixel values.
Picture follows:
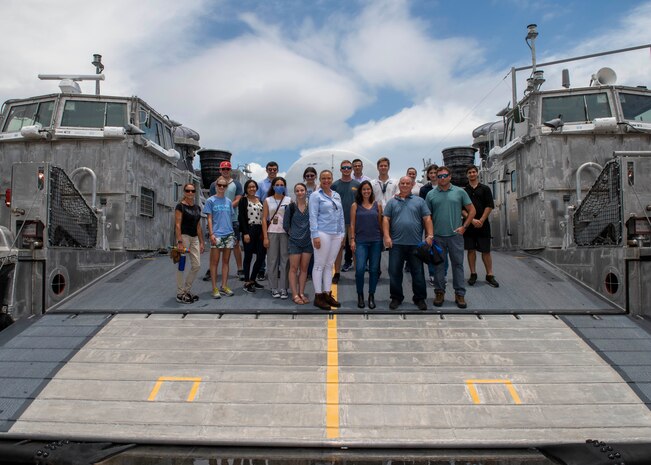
(225, 164)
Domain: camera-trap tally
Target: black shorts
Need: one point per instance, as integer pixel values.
(479, 243)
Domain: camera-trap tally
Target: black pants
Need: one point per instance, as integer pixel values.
(254, 247)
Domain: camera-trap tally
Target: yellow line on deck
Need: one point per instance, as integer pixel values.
(470, 383)
(159, 383)
(332, 377)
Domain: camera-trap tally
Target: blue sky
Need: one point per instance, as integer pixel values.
(278, 79)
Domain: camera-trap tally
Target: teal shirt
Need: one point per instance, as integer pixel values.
(446, 209)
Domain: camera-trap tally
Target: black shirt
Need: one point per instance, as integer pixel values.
(482, 198)
(190, 217)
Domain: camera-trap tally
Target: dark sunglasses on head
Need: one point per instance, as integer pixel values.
(190, 190)
(443, 176)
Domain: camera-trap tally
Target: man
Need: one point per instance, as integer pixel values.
(405, 216)
(265, 184)
(346, 187)
(413, 174)
(478, 235)
(358, 175)
(446, 202)
(384, 187)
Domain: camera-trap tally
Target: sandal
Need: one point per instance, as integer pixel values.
(304, 298)
(297, 300)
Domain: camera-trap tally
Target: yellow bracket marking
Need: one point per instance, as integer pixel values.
(332, 381)
(162, 379)
(470, 383)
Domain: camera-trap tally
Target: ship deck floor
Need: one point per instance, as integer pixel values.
(126, 363)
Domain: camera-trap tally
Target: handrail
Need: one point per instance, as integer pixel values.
(578, 178)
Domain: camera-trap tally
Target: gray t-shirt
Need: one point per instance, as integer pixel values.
(347, 192)
(406, 219)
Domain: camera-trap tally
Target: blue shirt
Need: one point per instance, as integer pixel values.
(233, 190)
(221, 210)
(406, 219)
(263, 188)
(326, 214)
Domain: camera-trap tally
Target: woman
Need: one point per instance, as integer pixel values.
(275, 237)
(309, 177)
(366, 241)
(219, 210)
(327, 231)
(187, 220)
(297, 225)
(250, 219)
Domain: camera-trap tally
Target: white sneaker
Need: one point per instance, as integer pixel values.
(216, 294)
(283, 294)
(275, 294)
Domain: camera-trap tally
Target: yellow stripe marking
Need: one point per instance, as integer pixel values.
(332, 380)
(162, 379)
(470, 383)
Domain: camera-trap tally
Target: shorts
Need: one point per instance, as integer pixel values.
(479, 243)
(295, 249)
(224, 242)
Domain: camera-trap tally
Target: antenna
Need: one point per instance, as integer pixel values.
(99, 67)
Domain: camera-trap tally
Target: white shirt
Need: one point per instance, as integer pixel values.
(384, 190)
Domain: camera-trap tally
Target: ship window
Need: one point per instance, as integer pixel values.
(636, 107)
(576, 108)
(494, 189)
(147, 199)
(86, 114)
(514, 181)
(157, 132)
(28, 115)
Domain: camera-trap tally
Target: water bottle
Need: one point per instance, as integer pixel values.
(182, 262)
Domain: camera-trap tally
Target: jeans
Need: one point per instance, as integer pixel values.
(398, 255)
(452, 246)
(371, 252)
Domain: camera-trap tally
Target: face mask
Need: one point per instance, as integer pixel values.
(279, 189)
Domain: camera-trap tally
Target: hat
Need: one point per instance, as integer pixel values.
(225, 164)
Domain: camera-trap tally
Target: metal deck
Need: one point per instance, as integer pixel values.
(231, 373)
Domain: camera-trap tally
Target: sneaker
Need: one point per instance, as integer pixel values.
(194, 297)
(473, 279)
(431, 281)
(216, 294)
(335, 278)
(261, 276)
(421, 305)
(347, 267)
(490, 279)
(226, 291)
(460, 301)
(275, 293)
(283, 294)
(240, 275)
(439, 298)
(257, 285)
(249, 288)
(395, 303)
(206, 277)
(184, 298)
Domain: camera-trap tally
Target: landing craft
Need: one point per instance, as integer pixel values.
(547, 369)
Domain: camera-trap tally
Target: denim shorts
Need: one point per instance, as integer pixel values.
(295, 249)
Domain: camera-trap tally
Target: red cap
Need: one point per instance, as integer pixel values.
(225, 164)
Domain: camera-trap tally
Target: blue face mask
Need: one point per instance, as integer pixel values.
(279, 189)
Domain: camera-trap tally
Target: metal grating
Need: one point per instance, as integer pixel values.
(598, 220)
(72, 221)
(147, 198)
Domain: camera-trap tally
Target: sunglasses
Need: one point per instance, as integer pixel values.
(346, 168)
(190, 190)
(225, 169)
(443, 176)
(222, 185)
(272, 169)
(310, 176)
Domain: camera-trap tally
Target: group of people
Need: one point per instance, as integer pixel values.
(330, 222)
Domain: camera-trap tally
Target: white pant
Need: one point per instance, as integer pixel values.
(324, 260)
